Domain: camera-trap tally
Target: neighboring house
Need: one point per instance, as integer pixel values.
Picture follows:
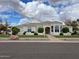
(50, 27)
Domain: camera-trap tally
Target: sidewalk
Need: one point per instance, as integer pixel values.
(45, 39)
(26, 41)
(49, 39)
(69, 39)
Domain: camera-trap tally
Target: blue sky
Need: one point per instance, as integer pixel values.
(26, 1)
(45, 11)
(13, 16)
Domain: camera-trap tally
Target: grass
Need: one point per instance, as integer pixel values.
(72, 36)
(31, 36)
(24, 36)
(4, 36)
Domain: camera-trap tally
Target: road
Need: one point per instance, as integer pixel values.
(38, 50)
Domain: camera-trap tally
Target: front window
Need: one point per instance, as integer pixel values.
(29, 30)
(56, 28)
(61, 28)
(52, 28)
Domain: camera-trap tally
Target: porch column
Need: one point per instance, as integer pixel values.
(59, 29)
(53, 29)
(44, 31)
(50, 30)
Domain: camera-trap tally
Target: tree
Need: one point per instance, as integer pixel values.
(68, 22)
(40, 30)
(75, 29)
(3, 28)
(65, 30)
(71, 23)
(15, 30)
(74, 24)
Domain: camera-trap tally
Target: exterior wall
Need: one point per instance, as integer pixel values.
(25, 28)
(56, 33)
(33, 28)
(44, 25)
(71, 29)
(22, 29)
(53, 33)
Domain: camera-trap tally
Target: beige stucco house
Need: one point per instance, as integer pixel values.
(50, 27)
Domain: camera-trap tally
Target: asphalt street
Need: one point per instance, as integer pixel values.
(38, 50)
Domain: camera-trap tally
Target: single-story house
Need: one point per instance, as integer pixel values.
(50, 27)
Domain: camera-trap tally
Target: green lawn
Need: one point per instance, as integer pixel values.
(24, 36)
(4, 36)
(72, 36)
(30, 36)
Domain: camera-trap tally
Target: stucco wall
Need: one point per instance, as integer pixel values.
(44, 25)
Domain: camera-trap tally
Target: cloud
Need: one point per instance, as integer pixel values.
(40, 11)
(64, 1)
(35, 10)
(71, 12)
(68, 9)
(57, 2)
(13, 24)
(22, 4)
(4, 16)
(16, 5)
(23, 21)
(3, 8)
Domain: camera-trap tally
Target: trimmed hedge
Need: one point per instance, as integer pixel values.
(35, 33)
(40, 30)
(61, 34)
(65, 30)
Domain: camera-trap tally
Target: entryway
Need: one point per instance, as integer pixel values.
(47, 30)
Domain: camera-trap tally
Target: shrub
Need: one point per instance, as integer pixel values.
(74, 33)
(65, 30)
(24, 33)
(61, 34)
(40, 30)
(75, 29)
(32, 31)
(15, 30)
(35, 33)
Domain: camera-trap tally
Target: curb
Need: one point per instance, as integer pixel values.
(19, 41)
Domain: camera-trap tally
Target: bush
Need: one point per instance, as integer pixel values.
(32, 31)
(75, 29)
(24, 33)
(65, 30)
(61, 34)
(40, 30)
(15, 30)
(35, 33)
(74, 33)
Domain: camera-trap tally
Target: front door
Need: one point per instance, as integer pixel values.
(47, 30)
